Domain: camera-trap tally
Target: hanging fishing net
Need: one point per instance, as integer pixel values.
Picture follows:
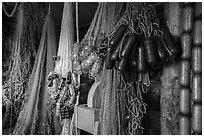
(35, 117)
(24, 43)
(60, 81)
(122, 107)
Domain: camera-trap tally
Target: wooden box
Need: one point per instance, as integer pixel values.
(86, 118)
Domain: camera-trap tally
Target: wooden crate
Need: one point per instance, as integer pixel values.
(86, 118)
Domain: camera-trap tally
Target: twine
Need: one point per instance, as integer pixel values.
(13, 11)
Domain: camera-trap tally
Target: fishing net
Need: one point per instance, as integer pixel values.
(109, 114)
(63, 65)
(122, 107)
(86, 57)
(60, 81)
(35, 117)
(26, 38)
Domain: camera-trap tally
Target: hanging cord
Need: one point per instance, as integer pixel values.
(49, 8)
(77, 33)
(136, 109)
(126, 85)
(11, 113)
(76, 115)
(13, 12)
(77, 22)
(74, 120)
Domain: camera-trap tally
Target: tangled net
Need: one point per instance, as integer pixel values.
(30, 19)
(122, 104)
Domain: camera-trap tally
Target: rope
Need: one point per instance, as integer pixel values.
(11, 113)
(77, 103)
(145, 18)
(77, 32)
(49, 9)
(13, 12)
(77, 22)
(135, 105)
(126, 85)
(136, 108)
(74, 116)
(74, 120)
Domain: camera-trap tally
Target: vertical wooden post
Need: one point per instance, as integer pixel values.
(170, 100)
(170, 84)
